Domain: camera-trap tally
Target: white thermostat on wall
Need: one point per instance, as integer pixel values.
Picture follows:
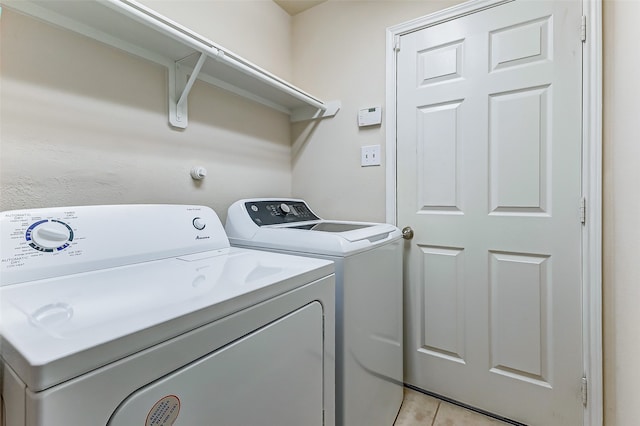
(369, 116)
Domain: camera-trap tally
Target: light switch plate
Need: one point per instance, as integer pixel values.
(370, 156)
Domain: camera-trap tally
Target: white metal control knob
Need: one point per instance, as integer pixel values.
(199, 223)
(51, 235)
(285, 208)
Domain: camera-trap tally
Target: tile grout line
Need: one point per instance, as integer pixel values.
(466, 407)
(433, 422)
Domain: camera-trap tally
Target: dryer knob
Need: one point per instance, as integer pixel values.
(51, 235)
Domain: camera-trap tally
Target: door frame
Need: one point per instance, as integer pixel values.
(591, 174)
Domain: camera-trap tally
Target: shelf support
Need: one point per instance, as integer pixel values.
(180, 84)
(309, 113)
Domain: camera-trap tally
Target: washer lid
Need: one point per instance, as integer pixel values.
(327, 226)
(323, 237)
(289, 224)
(59, 328)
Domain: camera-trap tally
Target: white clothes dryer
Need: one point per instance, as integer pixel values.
(369, 327)
(144, 315)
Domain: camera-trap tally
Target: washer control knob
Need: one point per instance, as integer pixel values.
(199, 224)
(285, 208)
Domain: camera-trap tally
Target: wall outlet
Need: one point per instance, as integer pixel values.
(370, 156)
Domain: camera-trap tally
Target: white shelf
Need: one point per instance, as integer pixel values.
(132, 27)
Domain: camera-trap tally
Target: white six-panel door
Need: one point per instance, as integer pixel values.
(489, 178)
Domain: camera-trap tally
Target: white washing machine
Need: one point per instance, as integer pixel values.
(368, 258)
(143, 315)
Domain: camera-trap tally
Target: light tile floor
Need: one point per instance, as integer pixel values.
(423, 410)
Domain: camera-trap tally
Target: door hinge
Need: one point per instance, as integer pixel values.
(583, 388)
(583, 210)
(396, 44)
(583, 29)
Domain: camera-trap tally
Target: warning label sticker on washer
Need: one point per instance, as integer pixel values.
(164, 412)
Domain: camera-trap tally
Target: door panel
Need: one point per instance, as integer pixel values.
(489, 178)
(443, 303)
(438, 173)
(517, 151)
(519, 316)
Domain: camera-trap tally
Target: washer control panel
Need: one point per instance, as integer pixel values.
(43, 243)
(276, 212)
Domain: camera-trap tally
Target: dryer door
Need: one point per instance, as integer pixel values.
(273, 376)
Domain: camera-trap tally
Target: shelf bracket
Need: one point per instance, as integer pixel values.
(180, 84)
(310, 113)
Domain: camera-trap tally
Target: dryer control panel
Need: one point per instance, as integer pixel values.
(276, 212)
(50, 242)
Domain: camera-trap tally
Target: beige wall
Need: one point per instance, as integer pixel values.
(621, 211)
(257, 30)
(84, 123)
(339, 53)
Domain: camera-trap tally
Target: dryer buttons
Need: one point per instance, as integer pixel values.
(199, 223)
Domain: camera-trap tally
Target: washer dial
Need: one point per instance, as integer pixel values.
(49, 235)
(285, 208)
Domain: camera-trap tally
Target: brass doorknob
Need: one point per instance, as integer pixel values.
(407, 233)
